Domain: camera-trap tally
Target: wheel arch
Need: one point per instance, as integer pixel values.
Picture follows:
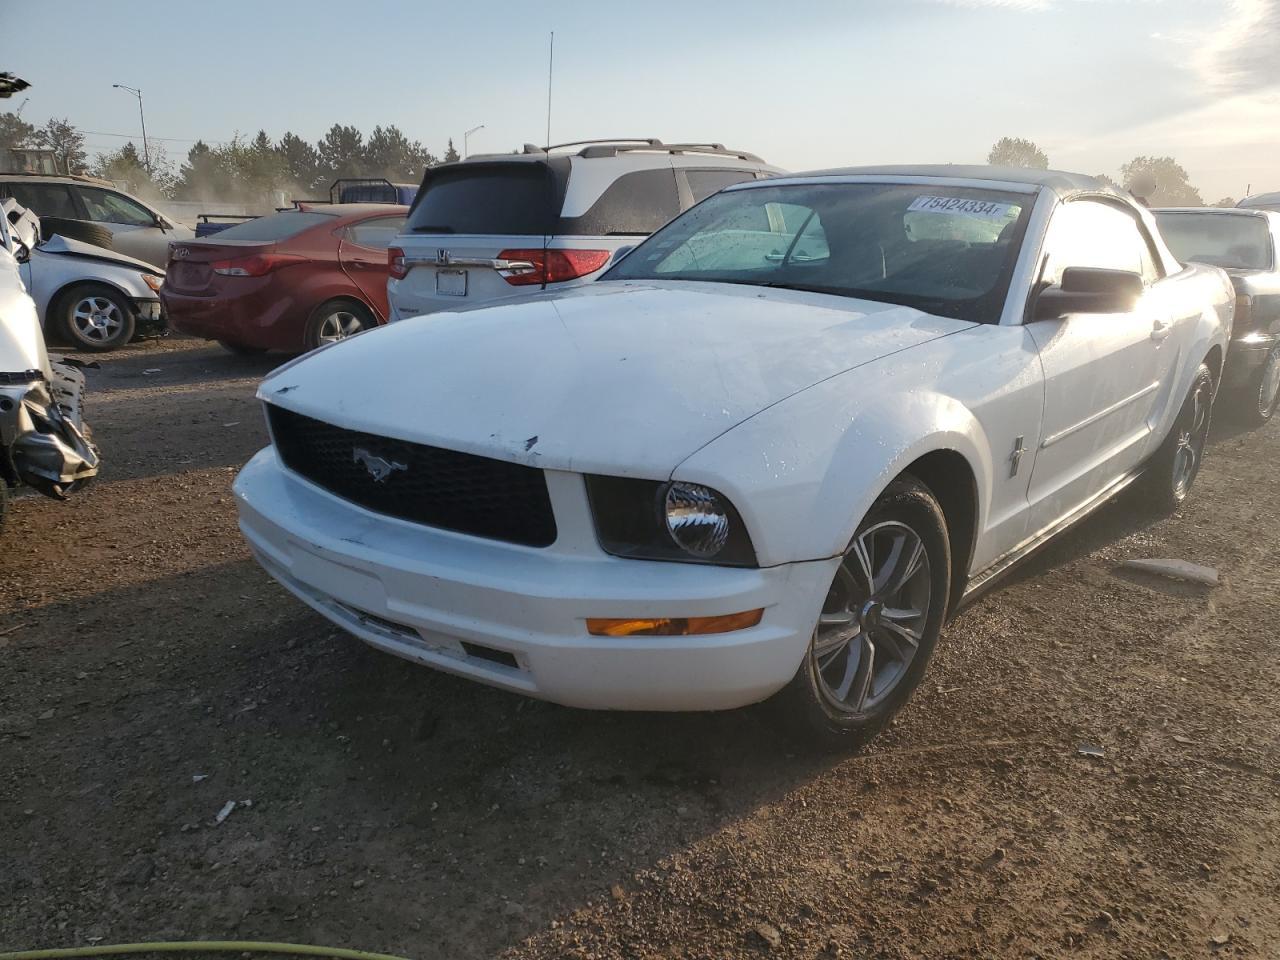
(344, 297)
(309, 333)
(55, 300)
(951, 479)
(1214, 361)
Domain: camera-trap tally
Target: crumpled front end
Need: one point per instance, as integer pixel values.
(42, 431)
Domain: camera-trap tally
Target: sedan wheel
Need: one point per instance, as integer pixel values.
(339, 325)
(95, 318)
(1268, 394)
(336, 321)
(878, 625)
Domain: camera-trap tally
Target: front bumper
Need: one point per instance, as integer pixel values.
(151, 319)
(41, 439)
(513, 617)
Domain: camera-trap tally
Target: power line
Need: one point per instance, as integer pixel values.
(134, 136)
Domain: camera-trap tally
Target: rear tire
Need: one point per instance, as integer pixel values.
(95, 317)
(1169, 475)
(82, 230)
(878, 626)
(240, 349)
(336, 320)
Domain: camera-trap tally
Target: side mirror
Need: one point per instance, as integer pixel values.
(1090, 290)
(620, 253)
(162, 223)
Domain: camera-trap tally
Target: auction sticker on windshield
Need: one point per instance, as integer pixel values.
(983, 209)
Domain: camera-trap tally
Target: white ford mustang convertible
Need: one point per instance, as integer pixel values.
(766, 455)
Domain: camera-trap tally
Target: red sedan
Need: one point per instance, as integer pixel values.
(290, 281)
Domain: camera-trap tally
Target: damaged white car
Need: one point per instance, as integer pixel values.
(766, 455)
(44, 441)
(87, 296)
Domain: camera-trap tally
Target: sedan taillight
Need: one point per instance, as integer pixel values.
(552, 266)
(256, 265)
(1244, 312)
(396, 263)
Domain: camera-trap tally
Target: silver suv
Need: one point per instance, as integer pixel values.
(134, 228)
(502, 224)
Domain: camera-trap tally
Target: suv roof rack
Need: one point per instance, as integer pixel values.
(612, 146)
(82, 177)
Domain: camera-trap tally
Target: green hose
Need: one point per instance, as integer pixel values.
(197, 946)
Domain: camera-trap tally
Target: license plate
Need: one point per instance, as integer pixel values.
(451, 283)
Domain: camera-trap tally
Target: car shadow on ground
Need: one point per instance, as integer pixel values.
(169, 362)
(1119, 518)
(425, 794)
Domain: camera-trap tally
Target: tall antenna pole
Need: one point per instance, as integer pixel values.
(551, 63)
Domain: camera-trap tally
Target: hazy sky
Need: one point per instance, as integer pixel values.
(804, 84)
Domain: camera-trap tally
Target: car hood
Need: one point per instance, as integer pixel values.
(618, 378)
(61, 245)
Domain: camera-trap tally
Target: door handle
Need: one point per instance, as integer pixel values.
(1160, 329)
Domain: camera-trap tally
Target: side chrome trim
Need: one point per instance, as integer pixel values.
(979, 581)
(1053, 438)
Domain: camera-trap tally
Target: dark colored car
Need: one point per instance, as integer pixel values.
(290, 281)
(1246, 244)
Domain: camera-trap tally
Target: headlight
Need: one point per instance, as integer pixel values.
(697, 519)
(652, 520)
(154, 282)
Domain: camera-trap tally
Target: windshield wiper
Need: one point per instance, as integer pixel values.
(433, 228)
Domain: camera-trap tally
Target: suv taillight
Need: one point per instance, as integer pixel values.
(395, 263)
(257, 265)
(552, 266)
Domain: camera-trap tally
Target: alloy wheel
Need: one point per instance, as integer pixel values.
(339, 325)
(871, 624)
(1269, 388)
(97, 319)
(1192, 436)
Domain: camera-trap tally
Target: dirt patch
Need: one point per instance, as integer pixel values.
(151, 673)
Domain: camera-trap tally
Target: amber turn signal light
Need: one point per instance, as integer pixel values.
(673, 626)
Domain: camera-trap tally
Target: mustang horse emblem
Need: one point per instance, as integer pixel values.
(379, 467)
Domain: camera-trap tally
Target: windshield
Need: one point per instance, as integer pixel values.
(1220, 239)
(946, 250)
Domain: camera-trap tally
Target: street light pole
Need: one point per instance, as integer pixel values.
(146, 152)
(466, 136)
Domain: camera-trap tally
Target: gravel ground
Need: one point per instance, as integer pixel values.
(151, 674)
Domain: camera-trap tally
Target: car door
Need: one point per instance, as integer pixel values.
(1103, 373)
(362, 252)
(135, 230)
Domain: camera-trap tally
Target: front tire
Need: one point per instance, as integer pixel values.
(336, 320)
(1168, 478)
(95, 317)
(878, 626)
(1258, 403)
